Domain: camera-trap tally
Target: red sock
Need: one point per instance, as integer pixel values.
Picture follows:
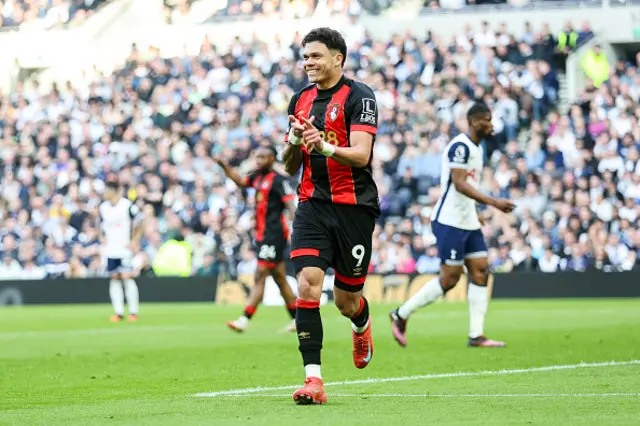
(362, 316)
(249, 311)
(291, 307)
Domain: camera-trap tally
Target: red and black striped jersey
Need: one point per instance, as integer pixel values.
(273, 190)
(347, 107)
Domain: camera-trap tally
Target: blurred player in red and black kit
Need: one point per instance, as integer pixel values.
(274, 195)
(333, 123)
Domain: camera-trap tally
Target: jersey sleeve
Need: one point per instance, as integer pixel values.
(458, 156)
(283, 188)
(363, 110)
(291, 111)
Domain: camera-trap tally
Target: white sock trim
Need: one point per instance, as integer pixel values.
(430, 292)
(360, 329)
(478, 296)
(116, 294)
(133, 297)
(312, 370)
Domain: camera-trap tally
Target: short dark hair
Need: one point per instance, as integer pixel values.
(272, 149)
(477, 109)
(330, 38)
(112, 184)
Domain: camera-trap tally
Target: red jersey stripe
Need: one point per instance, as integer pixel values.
(364, 128)
(262, 193)
(343, 189)
(303, 109)
(285, 227)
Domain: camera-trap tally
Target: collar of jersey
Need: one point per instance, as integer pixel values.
(335, 88)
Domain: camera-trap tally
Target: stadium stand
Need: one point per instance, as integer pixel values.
(293, 9)
(44, 14)
(156, 122)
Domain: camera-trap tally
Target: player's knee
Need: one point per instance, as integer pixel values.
(310, 284)
(480, 275)
(348, 307)
(449, 280)
(260, 276)
(279, 277)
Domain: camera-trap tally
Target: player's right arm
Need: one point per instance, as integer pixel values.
(292, 154)
(232, 173)
(458, 156)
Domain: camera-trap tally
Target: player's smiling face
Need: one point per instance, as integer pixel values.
(320, 63)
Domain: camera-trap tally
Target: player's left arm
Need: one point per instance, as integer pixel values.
(361, 113)
(136, 218)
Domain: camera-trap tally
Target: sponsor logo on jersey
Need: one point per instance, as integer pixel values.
(368, 115)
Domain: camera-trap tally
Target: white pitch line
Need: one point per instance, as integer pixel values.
(422, 377)
(452, 395)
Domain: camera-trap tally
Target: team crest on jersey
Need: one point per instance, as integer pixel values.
(259, 196)
(334, 110)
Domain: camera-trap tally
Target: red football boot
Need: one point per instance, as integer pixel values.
(311, 393)
(362, 347)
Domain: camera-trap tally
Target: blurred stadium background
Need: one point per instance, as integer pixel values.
(149, 90)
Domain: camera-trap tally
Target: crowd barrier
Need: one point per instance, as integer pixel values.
(393, 288)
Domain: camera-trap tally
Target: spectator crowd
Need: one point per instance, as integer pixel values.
(45, 14)
(292, 9)
(156, 123)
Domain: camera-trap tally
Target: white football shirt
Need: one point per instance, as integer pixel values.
(453, 208)
(117, 224)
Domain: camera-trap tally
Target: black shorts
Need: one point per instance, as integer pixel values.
(271, 250)
(334, 235)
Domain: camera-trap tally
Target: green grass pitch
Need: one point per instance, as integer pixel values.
(68, 365)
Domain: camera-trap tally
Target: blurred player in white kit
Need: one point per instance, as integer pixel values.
(120, 220)
(457, 228)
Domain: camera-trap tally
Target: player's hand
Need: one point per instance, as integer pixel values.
(506, 206)
(297, 126)
(311, 136)
(218, 159)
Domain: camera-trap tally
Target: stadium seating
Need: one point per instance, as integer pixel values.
(44, 14)
(156, 123)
